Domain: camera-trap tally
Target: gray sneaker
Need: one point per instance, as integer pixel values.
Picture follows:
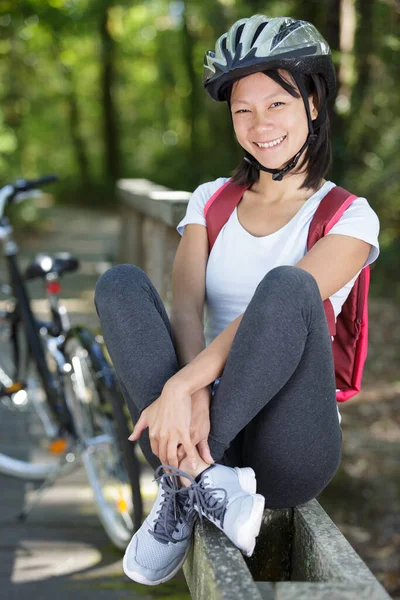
(226, 496)
(159, 548)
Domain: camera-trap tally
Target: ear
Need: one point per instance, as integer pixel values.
(313, 109)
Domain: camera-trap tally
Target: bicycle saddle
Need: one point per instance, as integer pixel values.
(42, 264)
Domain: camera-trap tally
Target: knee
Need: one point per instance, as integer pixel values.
(115, 280)
(290, 289)
(290, 281)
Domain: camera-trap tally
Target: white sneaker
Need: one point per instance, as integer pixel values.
(227, 497)
(159, 548)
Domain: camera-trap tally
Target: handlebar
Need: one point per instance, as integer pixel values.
(23, 185)
(16, 191)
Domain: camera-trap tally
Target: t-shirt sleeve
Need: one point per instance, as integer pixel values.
(360, 221)
(197, 202)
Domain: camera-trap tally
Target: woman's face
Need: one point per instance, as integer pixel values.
(263, 112)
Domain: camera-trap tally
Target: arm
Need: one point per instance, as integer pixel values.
(333, 261)
(209, 364)
(188, 292)
(179, 421)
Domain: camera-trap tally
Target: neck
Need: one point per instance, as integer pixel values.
(277, 192)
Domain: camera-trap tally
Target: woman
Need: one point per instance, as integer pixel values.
(272, 417)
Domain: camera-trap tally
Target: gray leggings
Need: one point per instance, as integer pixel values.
(275, 406)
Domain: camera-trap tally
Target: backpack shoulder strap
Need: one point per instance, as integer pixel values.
(328, 213)
(219, 208)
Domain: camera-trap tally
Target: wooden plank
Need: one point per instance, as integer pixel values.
(215, 569)
(272, 556)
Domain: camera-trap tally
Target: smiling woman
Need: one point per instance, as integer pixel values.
(249, 401)
(271, 117)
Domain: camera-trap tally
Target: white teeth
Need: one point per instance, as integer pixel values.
(271, 144)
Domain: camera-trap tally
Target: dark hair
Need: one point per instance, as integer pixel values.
(318, 154)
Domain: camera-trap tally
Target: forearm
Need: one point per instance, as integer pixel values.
(188, 336)
(209, 364)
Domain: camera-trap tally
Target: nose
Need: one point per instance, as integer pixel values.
(263, 121)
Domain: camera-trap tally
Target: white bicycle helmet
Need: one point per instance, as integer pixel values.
(259, 43)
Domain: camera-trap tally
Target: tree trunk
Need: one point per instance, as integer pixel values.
(77, 140)
(193, 104)
(331, 33)
(74, 118)
(311, 11)
(110, 128)
(364, 48)
(167, 79)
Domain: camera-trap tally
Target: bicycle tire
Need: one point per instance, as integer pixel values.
(89, 421)
(21, 452)
(55, 400)
(128, 450)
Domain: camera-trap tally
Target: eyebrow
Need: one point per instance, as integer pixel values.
(265, 98)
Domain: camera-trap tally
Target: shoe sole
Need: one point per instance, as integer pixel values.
(247, 534)
(142, 579)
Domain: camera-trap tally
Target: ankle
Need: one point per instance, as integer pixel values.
(185, 466)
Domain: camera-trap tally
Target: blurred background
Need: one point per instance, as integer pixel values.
(97, 90)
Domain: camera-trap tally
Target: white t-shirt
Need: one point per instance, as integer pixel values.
(238, 260)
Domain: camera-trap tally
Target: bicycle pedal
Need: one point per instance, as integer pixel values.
(58, 446)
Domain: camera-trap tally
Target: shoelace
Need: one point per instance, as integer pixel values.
(174, 508)
(205, 499)
(178, 501)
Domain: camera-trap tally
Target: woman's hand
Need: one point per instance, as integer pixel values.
(200, 424)
(168, 419)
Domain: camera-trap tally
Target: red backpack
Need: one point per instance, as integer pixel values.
(350, 344)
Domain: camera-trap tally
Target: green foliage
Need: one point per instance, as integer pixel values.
(85, 82)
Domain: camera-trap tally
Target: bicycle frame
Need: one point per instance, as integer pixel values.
(79, 399)
(35, 348)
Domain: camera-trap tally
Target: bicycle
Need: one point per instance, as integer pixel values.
(60, 402)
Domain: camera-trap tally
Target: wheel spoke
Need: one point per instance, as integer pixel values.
(101, 457)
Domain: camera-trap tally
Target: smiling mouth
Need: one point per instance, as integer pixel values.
(269, 145)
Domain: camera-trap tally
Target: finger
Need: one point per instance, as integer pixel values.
(204, 451)
(154, 444)
(181, 452)
(162, 447)
(191, 451)
(138, 429)
(172, 452)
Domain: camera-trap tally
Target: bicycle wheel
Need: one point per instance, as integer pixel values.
(95, 404)
(27, 426)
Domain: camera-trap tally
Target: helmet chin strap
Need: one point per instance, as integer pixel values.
(278, 174)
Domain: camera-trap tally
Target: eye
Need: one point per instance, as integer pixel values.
(242, 110)
(277, 103)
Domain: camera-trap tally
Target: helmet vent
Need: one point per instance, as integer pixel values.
(284, 31)
(259, 30)
(238, 34)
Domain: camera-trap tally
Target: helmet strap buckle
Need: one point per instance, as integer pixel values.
(277, 176)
